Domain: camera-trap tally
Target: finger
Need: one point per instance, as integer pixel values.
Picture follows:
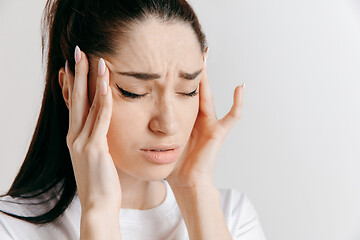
(207, 106)
(69, 80)
(231, 118)
(91, 114)
(79, 99)
(103, 118)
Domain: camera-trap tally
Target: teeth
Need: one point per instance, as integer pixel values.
(159, 150)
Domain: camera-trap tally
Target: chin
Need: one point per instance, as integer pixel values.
(153, 172)
(158, 175)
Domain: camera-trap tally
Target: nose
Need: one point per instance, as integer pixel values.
(164, 120)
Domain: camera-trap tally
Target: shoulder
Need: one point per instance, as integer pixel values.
(13, 228)
(5, 232)
(10, 227)
(240, 215)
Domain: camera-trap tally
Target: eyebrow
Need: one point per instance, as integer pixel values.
(152, 76)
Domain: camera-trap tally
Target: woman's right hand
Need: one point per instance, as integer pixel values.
(96, 177)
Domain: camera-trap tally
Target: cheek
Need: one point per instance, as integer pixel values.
(193, 111)
(126, 123)
(125, 131)
(187, 114)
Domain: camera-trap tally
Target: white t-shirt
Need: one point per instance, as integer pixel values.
(162, 222)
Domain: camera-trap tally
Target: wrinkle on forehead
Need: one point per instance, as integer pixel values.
(158, 47)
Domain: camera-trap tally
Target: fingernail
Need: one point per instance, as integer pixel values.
(243, 85)
(77, 54)
(205, 56)
(101, 67)
(66, 68)
(103, 88)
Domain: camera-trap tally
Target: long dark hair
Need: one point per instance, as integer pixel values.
(94, 25)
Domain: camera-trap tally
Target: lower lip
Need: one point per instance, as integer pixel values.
(162, 157)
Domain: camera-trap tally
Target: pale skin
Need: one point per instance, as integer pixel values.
(107, 131)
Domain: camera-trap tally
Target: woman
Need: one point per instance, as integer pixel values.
(127, 131)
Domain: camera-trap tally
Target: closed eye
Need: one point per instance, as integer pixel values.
(134, 95)
(192, 94)
(129, 94)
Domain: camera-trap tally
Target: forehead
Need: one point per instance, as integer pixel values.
(152, 44)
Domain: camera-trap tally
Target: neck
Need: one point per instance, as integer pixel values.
(140, 194)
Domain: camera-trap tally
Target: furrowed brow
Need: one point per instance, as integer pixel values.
(151, 76)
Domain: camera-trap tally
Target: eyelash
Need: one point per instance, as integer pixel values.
(134, 96)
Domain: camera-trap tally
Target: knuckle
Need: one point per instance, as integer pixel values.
(103, 115)
(68, 140)
(75, 96)
(78, 68)
(93, 107)
(91, 150)
(82, 67)
(221, 132)
(77, 146)
(237, 114)
(88, 151)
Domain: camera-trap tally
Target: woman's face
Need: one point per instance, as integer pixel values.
(164, 115)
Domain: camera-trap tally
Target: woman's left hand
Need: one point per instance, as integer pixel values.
(196, 165)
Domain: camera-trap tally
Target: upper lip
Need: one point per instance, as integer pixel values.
(161, 147)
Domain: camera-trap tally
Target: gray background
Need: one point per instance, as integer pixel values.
(295, 152)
